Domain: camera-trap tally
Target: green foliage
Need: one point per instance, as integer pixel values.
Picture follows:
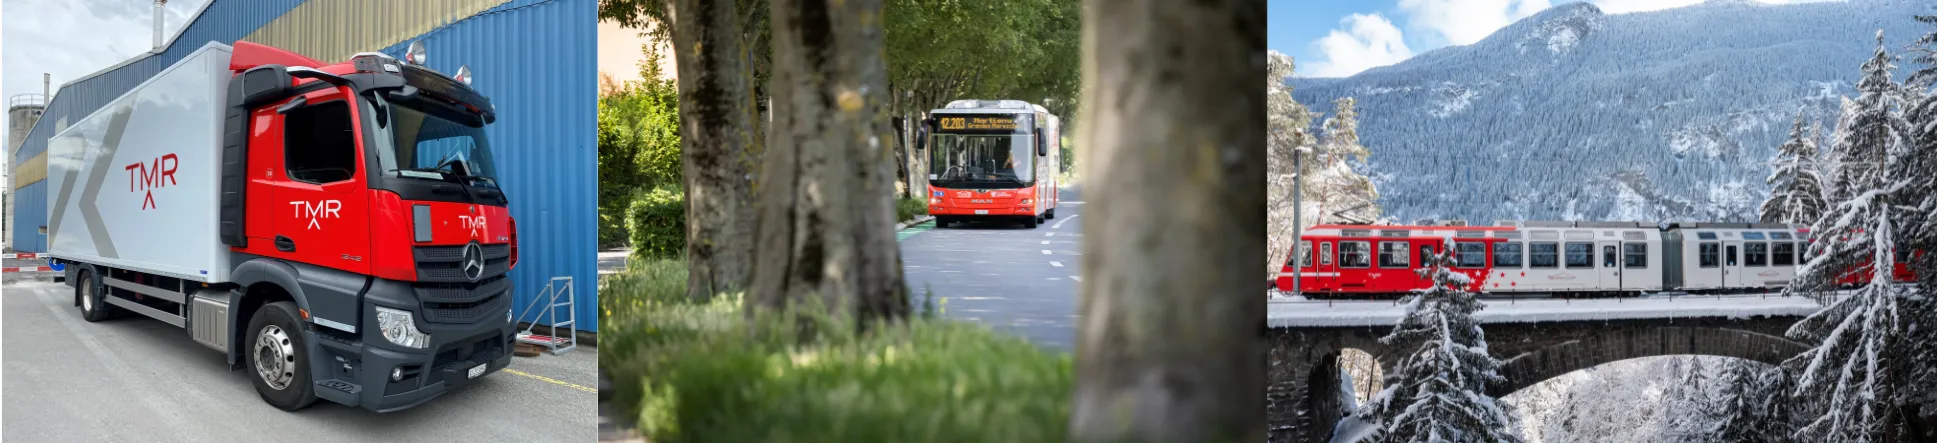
(1009, 49)
(909, 208)
(638, 146)
(702, 372)
(657, 221)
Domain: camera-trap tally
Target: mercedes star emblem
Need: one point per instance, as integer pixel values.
(473, 261)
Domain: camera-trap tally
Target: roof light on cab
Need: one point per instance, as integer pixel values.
(415, 55)
(464, 75)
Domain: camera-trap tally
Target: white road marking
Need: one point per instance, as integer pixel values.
(1055, 278)
(1056, 264)
(1045, 252)
(1052, 234)
(1045, 242)
(1059, 224)
(1075, 278)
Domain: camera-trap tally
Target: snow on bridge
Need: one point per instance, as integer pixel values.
(1301, 313)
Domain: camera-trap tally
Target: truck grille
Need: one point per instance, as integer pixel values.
(444, 264)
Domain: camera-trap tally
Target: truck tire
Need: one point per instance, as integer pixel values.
(277, 354)
(93, 309)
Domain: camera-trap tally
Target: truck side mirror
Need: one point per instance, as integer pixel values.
(264, 84)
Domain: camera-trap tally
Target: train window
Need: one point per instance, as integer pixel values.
(1705, 235)
(1753, 236)
(1902, 255)
(1354, 254)
(1731, 256)
(1304, 253)
(1607, 257)
(1711, 254)
(1580, 255)
(1785, 253)
(1543, 255)
(1780, 236)
(1325, 253)
(1471, 254)
(1507, 255)
(1392, 254)
(1426, 256)
(1755, 253)
(1635, 255)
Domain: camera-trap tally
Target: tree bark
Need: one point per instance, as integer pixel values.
(1171, 346)
(714, 132)
(826, 215)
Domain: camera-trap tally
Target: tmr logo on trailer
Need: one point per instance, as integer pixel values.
(151, 176)
(317, 210)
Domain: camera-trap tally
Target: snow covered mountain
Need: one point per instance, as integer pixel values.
(1574, 114)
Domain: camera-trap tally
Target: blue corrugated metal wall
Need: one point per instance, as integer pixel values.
(535, 59)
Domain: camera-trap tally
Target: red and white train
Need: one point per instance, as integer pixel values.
(1558, 258)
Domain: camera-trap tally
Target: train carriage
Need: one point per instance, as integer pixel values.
(1559, 258)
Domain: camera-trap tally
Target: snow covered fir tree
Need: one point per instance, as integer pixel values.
(1437, 391)
(1796, 185)
(1859, 361)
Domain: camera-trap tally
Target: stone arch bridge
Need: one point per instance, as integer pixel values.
(1537, 340)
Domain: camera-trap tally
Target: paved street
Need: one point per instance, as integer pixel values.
(138, 379)
(1014, 279)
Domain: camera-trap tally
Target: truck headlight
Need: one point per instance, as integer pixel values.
(398, 328)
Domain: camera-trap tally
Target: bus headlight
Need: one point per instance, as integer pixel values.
(1026, 201)
(398, 328)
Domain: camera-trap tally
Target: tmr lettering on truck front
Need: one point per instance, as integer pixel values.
(336, 229)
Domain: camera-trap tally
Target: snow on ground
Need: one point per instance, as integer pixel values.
(1351, 430)
(1281, 314)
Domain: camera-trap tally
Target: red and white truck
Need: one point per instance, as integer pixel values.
(335, 229)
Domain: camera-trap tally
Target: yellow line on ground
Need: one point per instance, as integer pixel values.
(551, 380)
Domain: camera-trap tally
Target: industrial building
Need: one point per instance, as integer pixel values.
(535, 59)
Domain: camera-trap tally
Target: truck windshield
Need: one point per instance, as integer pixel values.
(1003, 160)
(430, 147)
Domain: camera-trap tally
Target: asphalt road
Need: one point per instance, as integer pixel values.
(1011, 278)
(138, 379)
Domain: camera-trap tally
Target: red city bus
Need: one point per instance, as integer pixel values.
(995, 160)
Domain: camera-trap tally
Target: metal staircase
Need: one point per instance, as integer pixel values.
(558, 342)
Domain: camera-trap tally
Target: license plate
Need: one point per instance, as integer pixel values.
(981, 212)
(476, 371)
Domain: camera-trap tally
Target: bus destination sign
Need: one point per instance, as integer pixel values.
(999, 124)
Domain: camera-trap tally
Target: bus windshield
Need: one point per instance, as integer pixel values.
(998, 160)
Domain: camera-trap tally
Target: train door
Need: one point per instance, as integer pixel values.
(1706, 270)
(1610, 269)
(1732, 264)
(1426, 249)
(1325, 274)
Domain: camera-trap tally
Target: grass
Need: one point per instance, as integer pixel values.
(695, 371)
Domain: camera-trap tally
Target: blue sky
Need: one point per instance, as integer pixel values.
(1338, 38)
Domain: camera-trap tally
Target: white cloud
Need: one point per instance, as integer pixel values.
(1625, 6)
(1364, 41)
(1461, 22)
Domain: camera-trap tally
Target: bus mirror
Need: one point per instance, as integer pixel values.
(1042, 145)
(921, 136)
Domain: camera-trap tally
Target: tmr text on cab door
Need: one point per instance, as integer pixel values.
(335, 229)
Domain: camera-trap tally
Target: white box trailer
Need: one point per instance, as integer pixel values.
(136, 184)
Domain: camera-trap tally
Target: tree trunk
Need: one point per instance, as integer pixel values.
(826, 212)
(1171, 345)
(713, 134)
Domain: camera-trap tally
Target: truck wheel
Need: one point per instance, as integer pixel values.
(92, 308)
(277, 353)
